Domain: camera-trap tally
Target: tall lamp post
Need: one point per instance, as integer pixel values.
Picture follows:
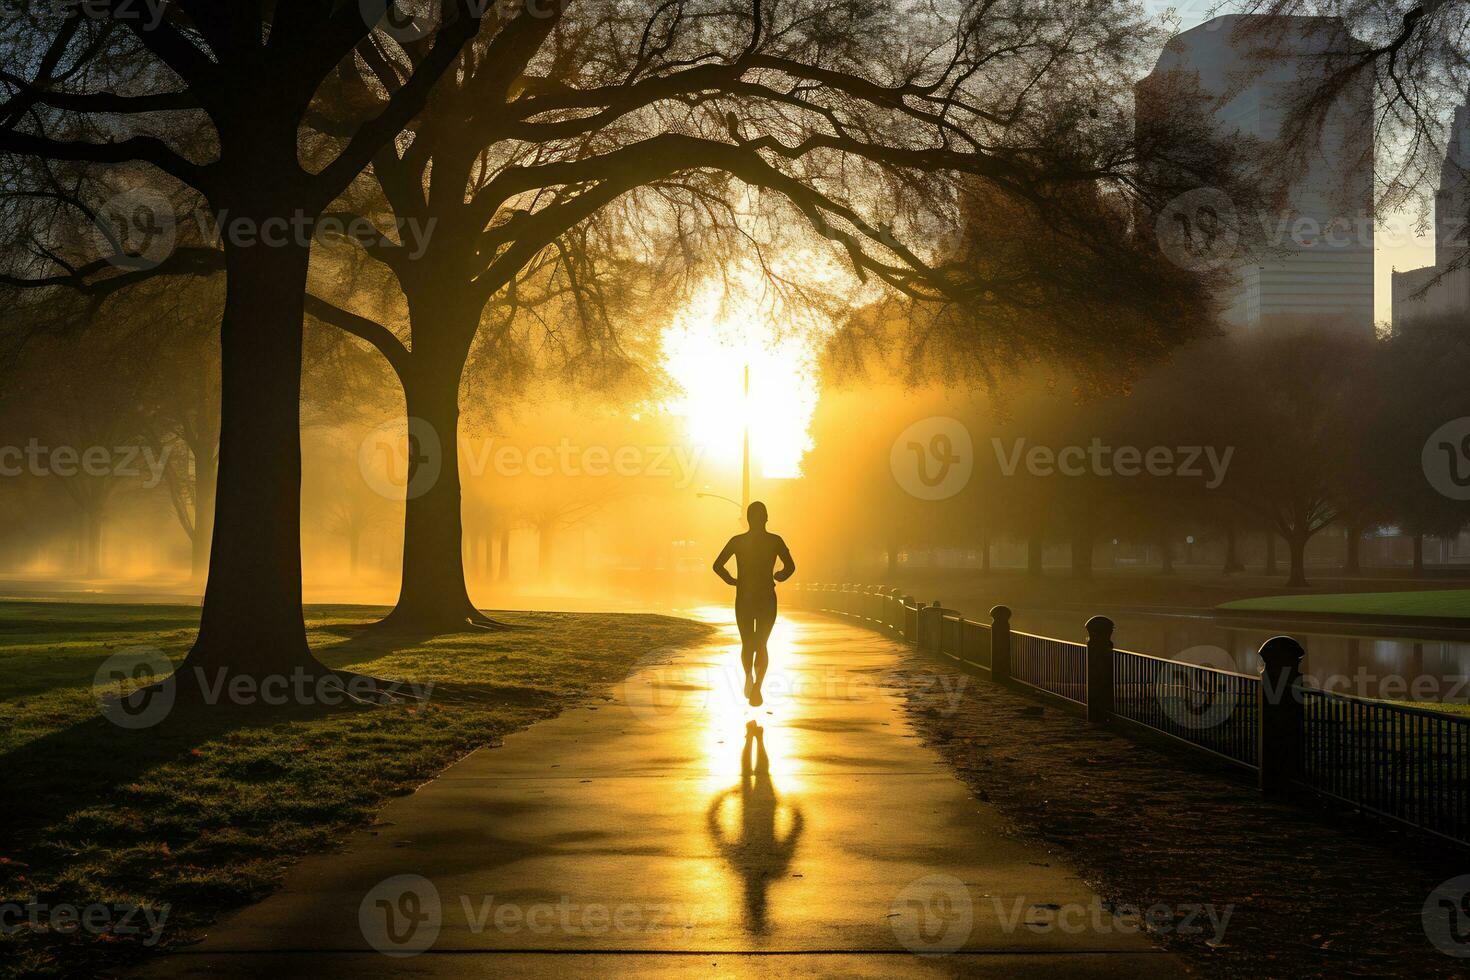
(745, 452)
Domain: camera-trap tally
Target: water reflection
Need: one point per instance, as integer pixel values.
(753, 829)
(1390, 667)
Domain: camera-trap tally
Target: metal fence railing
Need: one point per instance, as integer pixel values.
(1389, 759)
(1407, 764)
(1209, 708)
(1055, 666)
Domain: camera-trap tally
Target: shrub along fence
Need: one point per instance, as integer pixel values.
(1390, 760)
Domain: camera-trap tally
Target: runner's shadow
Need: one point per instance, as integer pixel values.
(756, 851)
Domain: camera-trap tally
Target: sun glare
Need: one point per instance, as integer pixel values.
(706, 349)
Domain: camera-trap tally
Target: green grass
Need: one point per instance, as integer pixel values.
(1440, 603)
(205, 811)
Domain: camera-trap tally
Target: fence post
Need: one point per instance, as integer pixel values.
(1099, 669)
(1000, 643)
(1281, 715)
(931, 624)
(910, 620)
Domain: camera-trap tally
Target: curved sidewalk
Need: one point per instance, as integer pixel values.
(675, 828)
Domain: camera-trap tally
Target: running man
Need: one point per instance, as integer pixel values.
(755, 554)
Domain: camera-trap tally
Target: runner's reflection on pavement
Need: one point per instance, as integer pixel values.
(743, 821)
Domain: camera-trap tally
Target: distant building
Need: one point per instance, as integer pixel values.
(1440, 290)
(1312, 258)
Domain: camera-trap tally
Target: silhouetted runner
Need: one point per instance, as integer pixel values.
(755, 580)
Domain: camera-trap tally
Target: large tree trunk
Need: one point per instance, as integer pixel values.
(204, 482)
(251, 623)
(1298, 545)
(1418, 553)
(433, 597)
(1270, 552)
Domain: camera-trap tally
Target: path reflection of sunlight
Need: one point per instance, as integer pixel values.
(754, 822)
(755, 829)
(727, 711)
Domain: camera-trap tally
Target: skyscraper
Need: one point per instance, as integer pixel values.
(1308, 258)
(1442, 290)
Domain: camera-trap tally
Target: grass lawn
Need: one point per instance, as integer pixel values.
(205, 811)
(1441, 602)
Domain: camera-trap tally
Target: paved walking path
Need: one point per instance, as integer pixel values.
(675, 829)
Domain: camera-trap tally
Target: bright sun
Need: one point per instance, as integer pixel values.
(705, 349)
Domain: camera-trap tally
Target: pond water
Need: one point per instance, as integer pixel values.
(1402, 668)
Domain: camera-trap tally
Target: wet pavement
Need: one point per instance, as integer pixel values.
(675, 828)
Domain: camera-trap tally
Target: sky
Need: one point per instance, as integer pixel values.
(1398, 243)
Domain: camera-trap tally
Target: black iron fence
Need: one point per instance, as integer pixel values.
(1391, 760)
(1055, 666)
(1211, 709)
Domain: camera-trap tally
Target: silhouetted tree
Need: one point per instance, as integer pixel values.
(103, 91)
